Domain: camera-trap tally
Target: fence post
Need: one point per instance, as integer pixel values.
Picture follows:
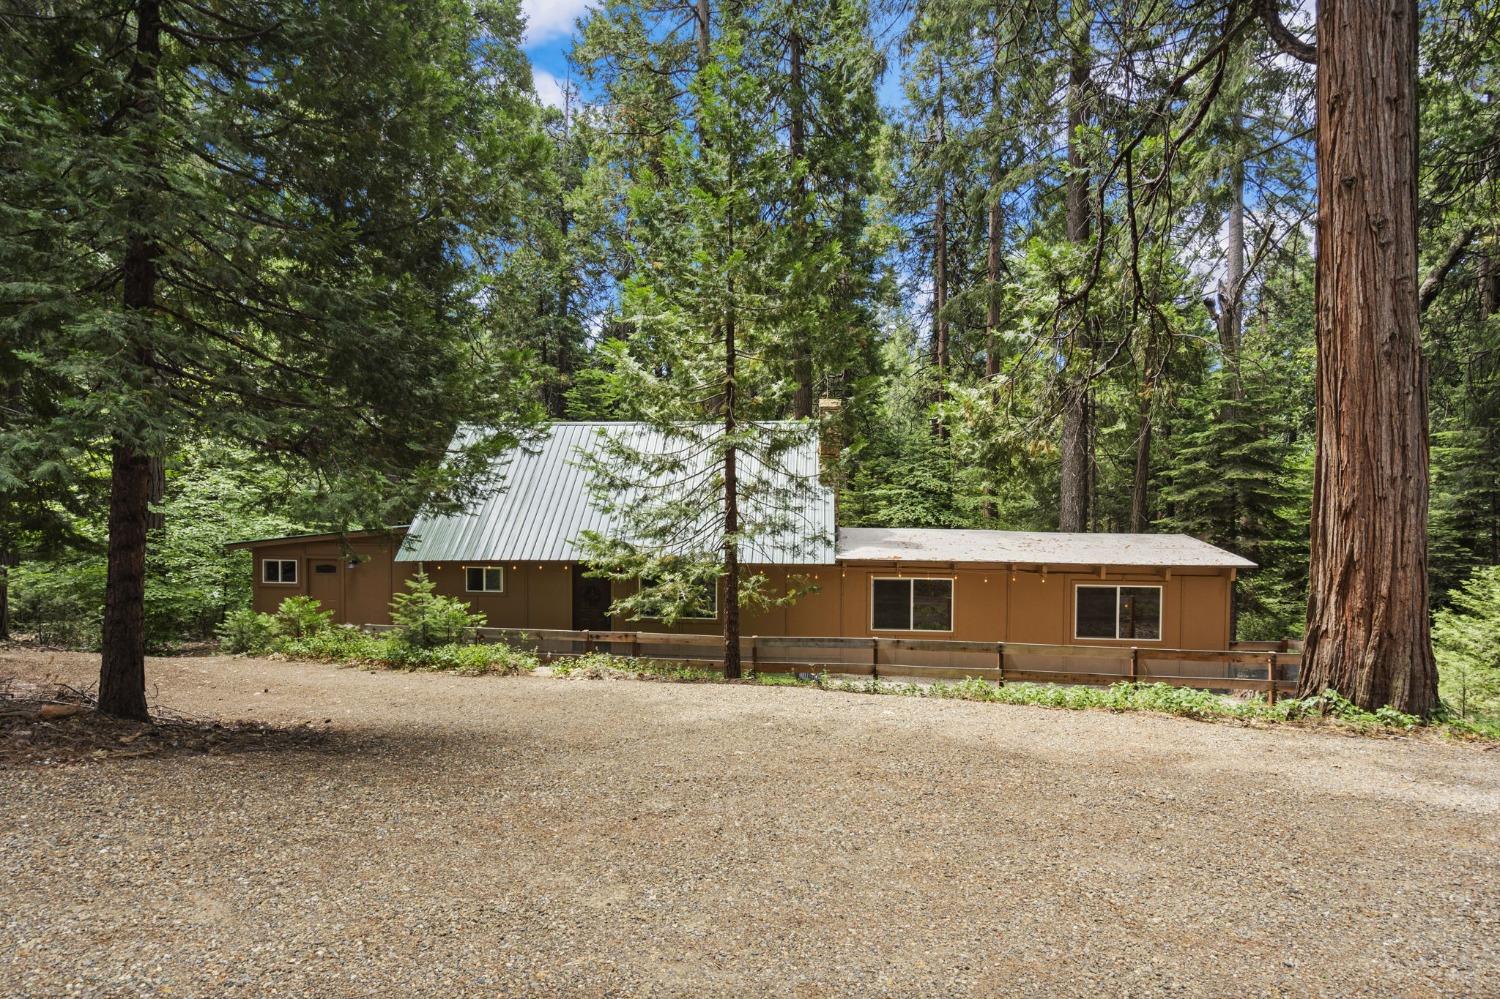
(1135, 663)
(754, 657)
(1271, 678)
(874, 659)
(635, 645)
(588, 642)
(999, 664)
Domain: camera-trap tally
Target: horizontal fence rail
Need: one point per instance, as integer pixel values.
(1270, 668)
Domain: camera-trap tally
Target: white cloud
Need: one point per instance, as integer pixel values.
(547, 19)
(549, 89)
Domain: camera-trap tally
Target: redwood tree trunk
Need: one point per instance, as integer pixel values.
(1367, 631)
(1073, 490)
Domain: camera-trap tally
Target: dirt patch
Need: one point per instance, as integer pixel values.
(47, 723)
(531, 836)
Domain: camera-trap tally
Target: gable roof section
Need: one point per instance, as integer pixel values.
(880, 544)
(538, 504)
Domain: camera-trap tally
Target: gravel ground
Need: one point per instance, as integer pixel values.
(456, 836)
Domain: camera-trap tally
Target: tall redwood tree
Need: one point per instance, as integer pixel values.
(1367, 632)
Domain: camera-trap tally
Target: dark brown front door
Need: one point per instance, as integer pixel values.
(591, 600)
(325, 584)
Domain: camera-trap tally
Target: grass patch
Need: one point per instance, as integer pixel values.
(1159, 698)
(351, 647)
(1183, 702)
(603, 666)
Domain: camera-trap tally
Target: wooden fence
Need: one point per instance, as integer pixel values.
(1270, 668)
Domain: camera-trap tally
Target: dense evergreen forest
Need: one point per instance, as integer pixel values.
(1056, 259)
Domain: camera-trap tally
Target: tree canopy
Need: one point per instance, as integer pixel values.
(1056, 261)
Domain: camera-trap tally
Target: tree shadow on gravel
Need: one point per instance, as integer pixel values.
(53, 723)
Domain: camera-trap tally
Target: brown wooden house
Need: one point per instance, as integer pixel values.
(514, 558)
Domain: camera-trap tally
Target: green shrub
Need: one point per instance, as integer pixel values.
(352, 647)
(344, 644)
(245, 631)
(60, 603)
(1466, 640)
(426, 620)
(299, 617)
(603, 666)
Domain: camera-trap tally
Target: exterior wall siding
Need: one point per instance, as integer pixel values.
(989, 603)
(363, 590)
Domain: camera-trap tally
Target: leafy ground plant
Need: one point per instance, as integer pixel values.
(1184, 702)
(352, 647)
(603, 666)
(301, 631)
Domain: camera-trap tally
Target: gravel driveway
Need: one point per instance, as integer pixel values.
(527, 835)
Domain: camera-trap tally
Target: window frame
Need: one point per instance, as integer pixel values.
(1161, 611)
(484, 569)
(281, 564)
(911, 606)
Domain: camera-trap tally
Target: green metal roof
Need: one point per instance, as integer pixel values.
(538, 503)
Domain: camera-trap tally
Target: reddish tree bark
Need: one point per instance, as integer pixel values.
(1367, 633)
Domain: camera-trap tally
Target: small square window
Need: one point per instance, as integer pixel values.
(278, 570)
(484, 579)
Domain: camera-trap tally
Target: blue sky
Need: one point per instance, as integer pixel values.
(549, 35)
(549, 31)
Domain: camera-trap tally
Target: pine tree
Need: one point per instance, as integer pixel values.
(263, 222)
(710, 485)
(1466, 640)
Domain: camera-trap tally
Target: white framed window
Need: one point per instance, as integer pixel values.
(911, 604)
(484, 579)
(278, 570)
(1117, 612)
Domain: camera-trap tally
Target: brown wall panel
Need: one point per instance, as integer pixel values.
(990, 603)
(1204, 612)
(1040, 611)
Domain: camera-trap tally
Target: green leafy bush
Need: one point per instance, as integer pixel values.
(60, 603)
(245, 631)
(352, 647)
(603, 666)
(300, 617)
(425, 619)
(1466, 640)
